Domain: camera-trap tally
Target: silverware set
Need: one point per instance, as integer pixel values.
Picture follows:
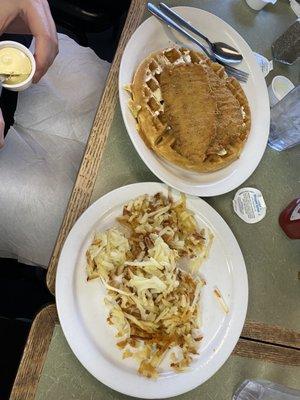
(218, 52)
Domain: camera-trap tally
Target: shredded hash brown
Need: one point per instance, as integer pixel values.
(153, 303)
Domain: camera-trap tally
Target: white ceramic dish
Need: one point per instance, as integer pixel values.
(151, 36)
(18, 87)
(83, 315)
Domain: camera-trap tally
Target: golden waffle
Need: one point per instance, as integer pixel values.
(189, 111)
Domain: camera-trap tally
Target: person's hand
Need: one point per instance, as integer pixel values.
(1, 130)
(32, 16)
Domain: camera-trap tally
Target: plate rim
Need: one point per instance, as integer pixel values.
(234, 327)
(204, 190)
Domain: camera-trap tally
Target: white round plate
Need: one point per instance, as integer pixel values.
(153, 35)
(82, 312)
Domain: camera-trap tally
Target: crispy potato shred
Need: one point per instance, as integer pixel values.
(153, 302)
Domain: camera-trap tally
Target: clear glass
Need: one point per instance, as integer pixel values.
(285, 122)
(265, 390)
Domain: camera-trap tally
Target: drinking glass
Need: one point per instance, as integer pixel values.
(264, 390)
(285, 122)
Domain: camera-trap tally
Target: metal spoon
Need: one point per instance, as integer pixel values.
(222, 51)
(169, 21)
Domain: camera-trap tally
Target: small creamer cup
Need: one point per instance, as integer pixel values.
(18, 87)
(279, 88)
(259, 4)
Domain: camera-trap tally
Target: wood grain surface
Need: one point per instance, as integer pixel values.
(40, 335)
(84, 184)
(271, 334)
(34, 355)
(267, 352)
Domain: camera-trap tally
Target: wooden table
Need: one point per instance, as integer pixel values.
(272, 260)
(272, 329)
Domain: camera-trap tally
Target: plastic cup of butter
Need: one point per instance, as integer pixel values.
(7, 59)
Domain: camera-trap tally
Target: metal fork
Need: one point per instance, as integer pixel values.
(240, 75)
(232, 71)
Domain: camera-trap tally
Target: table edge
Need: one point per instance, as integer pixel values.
(86, 177)
(272, 334)
(34, 355)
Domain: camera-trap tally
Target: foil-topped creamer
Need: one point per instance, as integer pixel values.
(249, 205)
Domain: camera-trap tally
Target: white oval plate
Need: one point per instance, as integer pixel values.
(151, 36)
(82, 312)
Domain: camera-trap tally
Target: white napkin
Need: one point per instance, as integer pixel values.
(295, 5)
(42, 153)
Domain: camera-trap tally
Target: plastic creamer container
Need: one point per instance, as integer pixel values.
(259, 4)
